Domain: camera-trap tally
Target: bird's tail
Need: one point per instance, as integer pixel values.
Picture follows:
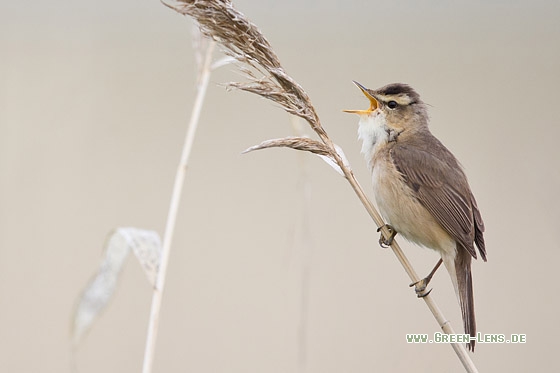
(459, 269)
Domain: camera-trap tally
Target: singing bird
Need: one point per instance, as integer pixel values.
(421, 189)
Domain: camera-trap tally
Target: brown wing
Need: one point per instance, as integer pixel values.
(478, 229)
(442, 188)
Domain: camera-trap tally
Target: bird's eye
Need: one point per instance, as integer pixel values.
(392, 104)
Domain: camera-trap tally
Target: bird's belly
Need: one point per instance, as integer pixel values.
(402, 210)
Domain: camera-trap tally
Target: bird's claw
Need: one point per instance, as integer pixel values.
(424, 294)
(385, 242)
(420, 287)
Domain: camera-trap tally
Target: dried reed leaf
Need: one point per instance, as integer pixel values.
(298, 143)
(97, 294)
(305, 144)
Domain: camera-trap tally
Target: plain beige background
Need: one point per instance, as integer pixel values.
(94, 101)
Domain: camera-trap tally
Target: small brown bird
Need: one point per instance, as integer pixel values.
(421, 189)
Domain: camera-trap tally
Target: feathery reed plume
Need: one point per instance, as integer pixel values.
(243, 40)
(219, 20)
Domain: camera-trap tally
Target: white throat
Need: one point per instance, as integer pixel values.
(373, 133)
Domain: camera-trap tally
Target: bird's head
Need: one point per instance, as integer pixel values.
(396, 106)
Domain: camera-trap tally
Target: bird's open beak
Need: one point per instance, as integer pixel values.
(372, 101)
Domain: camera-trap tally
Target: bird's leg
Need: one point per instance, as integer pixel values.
(386, 242)
(420, 286)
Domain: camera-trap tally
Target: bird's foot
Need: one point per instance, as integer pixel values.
(420, 287)
(385, 242)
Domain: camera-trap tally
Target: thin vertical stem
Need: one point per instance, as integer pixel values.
(172, 214)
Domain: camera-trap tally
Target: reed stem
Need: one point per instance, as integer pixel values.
(173, 209)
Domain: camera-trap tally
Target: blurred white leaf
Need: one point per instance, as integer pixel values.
(222, 62)
(147, 247)
(331, 162)
(340, 152)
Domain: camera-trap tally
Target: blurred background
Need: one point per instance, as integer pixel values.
(275, 265)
